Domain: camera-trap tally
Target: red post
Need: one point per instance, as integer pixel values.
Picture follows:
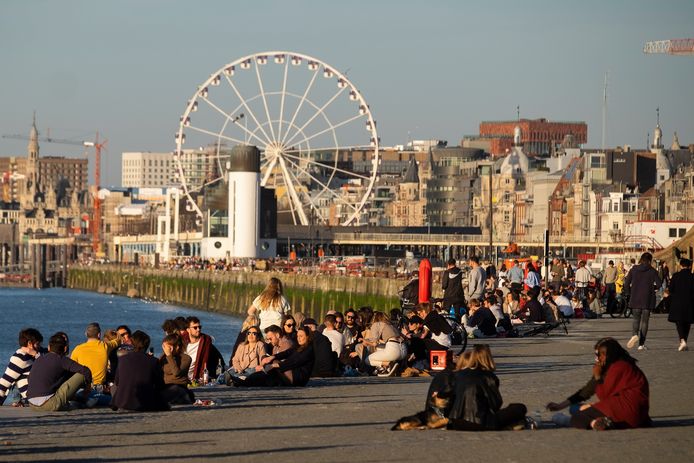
(424, 280)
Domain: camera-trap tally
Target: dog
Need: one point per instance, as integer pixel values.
(439, 401)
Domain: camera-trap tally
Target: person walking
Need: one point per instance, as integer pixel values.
(641, 283)
(682, 301)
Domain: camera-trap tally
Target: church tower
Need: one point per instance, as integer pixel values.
(32, 170)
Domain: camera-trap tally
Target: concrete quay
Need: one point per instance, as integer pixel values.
(348, 419)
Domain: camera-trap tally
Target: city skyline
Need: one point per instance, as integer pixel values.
(427, 71)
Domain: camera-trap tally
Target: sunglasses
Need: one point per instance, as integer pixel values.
(349, 317)
(197, 327)
(289, 324)
(254, 333)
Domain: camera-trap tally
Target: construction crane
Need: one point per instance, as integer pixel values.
(680, 47)
(98, 146)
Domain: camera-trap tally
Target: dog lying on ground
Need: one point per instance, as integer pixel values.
(439, 402)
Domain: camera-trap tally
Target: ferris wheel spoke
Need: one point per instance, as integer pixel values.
(326, 187)
(207, 132)
(332, 127)
(318, 113)
(245, 105)
(234, 121)
(268, 171)
(327, 166)
(329, 148)
(284, 93)
(301, 102)
(292, 191)
(262, 93)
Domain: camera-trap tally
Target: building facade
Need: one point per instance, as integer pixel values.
(146, 169)
(540, 136)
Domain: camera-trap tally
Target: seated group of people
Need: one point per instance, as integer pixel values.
(117, 370)
(468, 398)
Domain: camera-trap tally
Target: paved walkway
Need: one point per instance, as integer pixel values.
(348, 419)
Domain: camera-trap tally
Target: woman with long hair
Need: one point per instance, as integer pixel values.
(288, 368)
(388, 344)
(249, 353)
(289, 327)
(270, 305)
(250, 321)
(622, 390)
(477, 404)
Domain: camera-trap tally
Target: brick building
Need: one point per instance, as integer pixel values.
(539, 136)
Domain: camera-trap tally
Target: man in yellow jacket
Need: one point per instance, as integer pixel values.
(93, 354)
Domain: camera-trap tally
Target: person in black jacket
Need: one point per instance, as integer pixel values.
(641, 283)
(477, 404)
(325, 360)
(139, 379)
(55, 378)
(682, 301)
(291, 367)
(453, 293)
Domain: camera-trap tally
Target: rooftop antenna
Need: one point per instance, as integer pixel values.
(604, 112)
(518, 113)
(657, 115)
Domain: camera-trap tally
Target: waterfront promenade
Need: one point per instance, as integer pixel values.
(348, 419)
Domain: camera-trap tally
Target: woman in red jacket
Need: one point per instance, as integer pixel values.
(622, 391)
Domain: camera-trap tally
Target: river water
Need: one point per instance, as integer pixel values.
(57, 309)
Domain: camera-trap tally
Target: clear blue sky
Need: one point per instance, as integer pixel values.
(434, 69)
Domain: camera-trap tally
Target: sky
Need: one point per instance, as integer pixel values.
(430, 69)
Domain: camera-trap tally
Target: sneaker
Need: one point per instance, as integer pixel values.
(393, 370)
(561, 420)
(642, 347)
(531, 424)
(602, 424)
(632, 342)
(683, 346)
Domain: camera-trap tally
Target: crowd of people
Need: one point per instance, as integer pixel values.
(278, 347)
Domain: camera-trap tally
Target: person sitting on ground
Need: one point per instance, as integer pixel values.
(419, 356)
(436, 328)
(511, 304)
(479, 322)
(174, 364)
(477, 404)
(139, 379)
(275, 342)
(182, 325)
(251, 320)
(270, 305)
(534, 313)
(337, 341)
(289, 368)
(94, 355)
(351, 336)
(339, 322)
(19, 366)
(389, 346)
(563, 304)
(249, 354)
(204, 354)
(622, 390)
(503, 321)
(325, 360)
(55, 378)
(289, 326)
(595, 310)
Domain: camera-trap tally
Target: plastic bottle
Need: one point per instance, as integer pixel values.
(452, 311)
(205, 377)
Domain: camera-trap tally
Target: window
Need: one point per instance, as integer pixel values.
(682, 232)
(672, 232)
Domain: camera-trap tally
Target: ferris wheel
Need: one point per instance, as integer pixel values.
(318, 140)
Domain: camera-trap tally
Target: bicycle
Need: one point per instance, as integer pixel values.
(621, 307)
